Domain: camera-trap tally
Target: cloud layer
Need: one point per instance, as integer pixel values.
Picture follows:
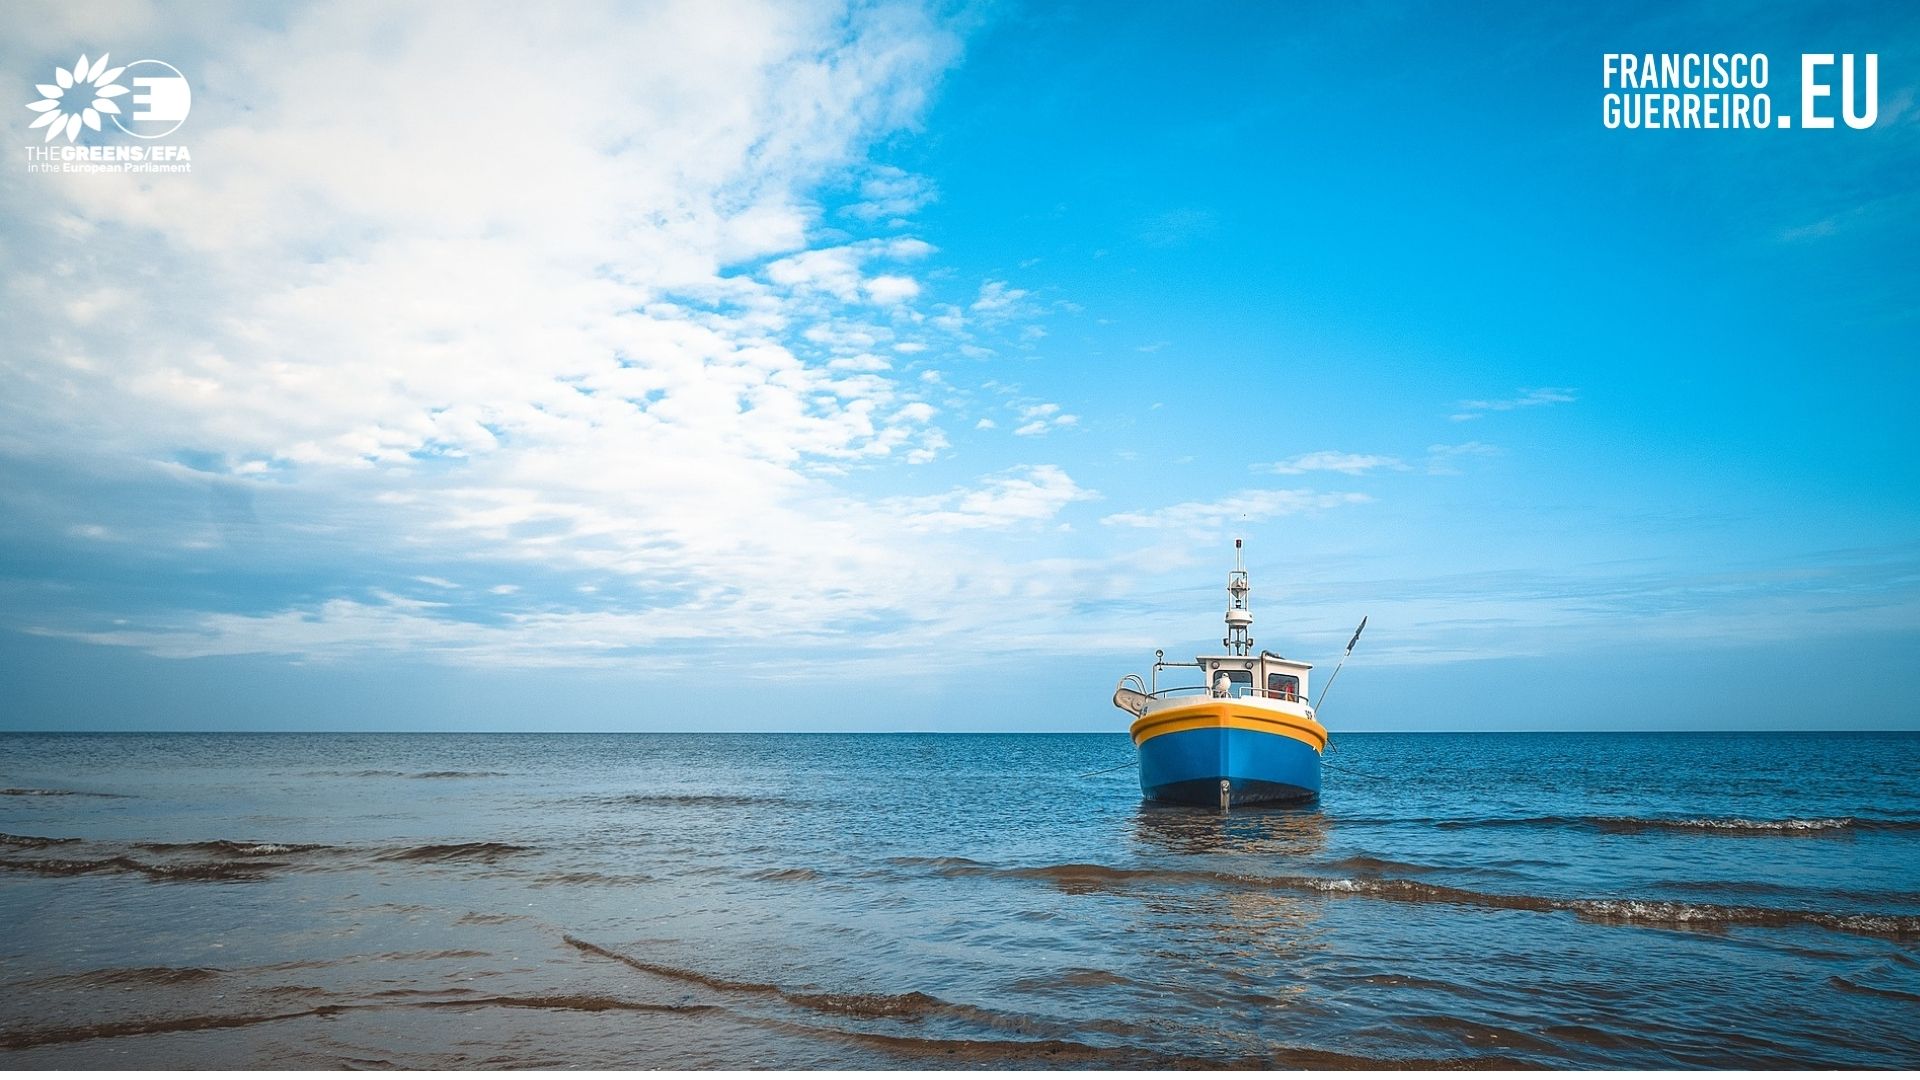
(544, 297)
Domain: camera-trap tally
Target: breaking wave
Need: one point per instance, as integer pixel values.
(1726, 826)
(1736, 826)
(1683, 914)
(234, 848)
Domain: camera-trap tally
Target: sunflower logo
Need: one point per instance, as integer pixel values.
(77, 97)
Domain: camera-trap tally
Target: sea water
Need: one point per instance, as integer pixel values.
(448, 901)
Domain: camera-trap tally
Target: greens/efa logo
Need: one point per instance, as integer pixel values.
(147, 99)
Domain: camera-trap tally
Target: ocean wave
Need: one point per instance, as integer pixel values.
(910, 1006)
(697, 799)
(10, 840)
(222, 860)
(1737, 826)
(397, 774)
(1824, 892)
(51, 793)
(1057, 1052)
(207, 871)
(236, 848)
(591, 877)
(478, 851)
(22, 1040)
(1712, 826)
(942, 862)
(1077, 978)
(1369, 864)
(792, 873)
(131, 977)
(592, 1003)
(1841, 982)
(1664, 913)
(570, 1002)
(488, 918)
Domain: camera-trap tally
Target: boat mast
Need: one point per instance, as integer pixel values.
(1239, 639)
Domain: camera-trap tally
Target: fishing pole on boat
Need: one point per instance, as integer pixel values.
(1351, 642)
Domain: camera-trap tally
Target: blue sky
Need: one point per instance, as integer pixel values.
(914, 368)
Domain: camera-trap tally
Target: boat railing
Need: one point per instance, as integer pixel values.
(1238, 691)
(1182, 691)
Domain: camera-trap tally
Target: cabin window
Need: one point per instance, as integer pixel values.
(1239, 682)
(1287, 686)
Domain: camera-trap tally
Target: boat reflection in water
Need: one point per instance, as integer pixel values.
(1163, 829)
(1246, 948)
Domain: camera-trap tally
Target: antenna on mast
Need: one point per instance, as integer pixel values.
(1239, 639)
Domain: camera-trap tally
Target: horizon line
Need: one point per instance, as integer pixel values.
(912, 731)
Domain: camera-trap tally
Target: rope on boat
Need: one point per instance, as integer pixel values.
(1103, 772)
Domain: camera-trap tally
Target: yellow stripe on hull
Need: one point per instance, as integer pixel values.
(1229, 714)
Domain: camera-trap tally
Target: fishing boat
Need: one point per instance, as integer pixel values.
(1244, 735)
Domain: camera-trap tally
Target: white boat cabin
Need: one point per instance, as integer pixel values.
(1266, 676)
(1236, 676)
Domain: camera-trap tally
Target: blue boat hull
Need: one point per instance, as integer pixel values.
(1258, 766)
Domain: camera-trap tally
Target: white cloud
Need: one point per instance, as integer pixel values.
(1444, 459)
(1526, 399)
(1024, 495)
(888, 290)
(997, 299)
(588, 330)
(1333, 461)
(1042, 418)
(890, 193)
(837, 271)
